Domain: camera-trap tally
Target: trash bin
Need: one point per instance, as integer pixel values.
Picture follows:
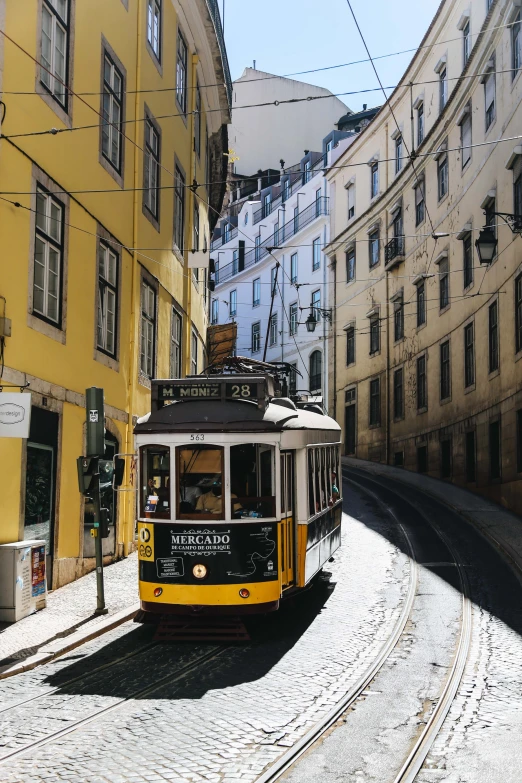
(23, 583)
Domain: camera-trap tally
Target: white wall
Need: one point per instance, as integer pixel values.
(260, 137)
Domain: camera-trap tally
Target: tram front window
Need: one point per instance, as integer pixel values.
(200, 482)
(252, 481)
(155, 482)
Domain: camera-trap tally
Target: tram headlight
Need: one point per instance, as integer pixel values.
(158, 591)
(244, 593)
(200, 571)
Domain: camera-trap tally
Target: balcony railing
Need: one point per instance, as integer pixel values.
(281, 235)
(296, 181)
(223, 239)
(216, 18)
(394, 250)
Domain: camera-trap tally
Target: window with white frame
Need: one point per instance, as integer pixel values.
(350, 264)
(273, 280)
(179, 209)
(374, 179)
(351, 201)
(151, 174)
(175, 344)
(214, 312)
(293, 318)
(466, 41)
(293, 268)
(148, 329)
(55, 48)
(398, 153)
(490, 97)
(48, 257)
(375, 334)
(316, 261)
(194, 353)
(373, 247)
(154, 26)
(316, 305)
(420, 204)
(465, 137)
(256, 292)
(443, 87)
(107, 299)
(181, 73)
(112, 112)
(233, 303)
(420, 123)
(256, 337)
(442, 176)
(421, 303)
(273, 329)
(257, 250)
(235, 261)
(444, 284)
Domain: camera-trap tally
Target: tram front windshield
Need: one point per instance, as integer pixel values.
(201, 482)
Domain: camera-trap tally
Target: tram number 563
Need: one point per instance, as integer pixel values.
(241, 391)
(197, 437)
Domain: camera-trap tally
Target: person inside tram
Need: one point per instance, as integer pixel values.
(335, 491)
(212, 502)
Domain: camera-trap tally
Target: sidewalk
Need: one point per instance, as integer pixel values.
(69, 616)
(500, 526)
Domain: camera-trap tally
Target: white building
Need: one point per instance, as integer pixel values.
(276, 243)
(261, 136)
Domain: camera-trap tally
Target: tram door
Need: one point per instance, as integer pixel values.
(287, 518)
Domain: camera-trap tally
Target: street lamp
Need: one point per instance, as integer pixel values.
(486, 245)
(311, 321)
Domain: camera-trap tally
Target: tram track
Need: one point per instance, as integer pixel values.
(184, 671)
(424, 741)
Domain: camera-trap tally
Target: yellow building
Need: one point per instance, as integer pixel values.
(113, 110)
(426, 371)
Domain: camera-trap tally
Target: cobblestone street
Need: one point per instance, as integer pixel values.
(123, 708)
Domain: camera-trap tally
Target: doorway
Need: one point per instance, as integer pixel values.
(40, 482)
(288, 527)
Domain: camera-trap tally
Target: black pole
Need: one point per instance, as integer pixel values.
(95, 410)
(274, 287)
(98, 546)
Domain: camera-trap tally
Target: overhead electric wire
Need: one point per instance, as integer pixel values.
(275, 76)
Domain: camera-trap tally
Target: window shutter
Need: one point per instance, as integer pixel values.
(443, 267)
(466, 135)
(419, 193)
(351, 199)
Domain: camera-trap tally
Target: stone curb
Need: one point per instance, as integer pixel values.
(502, 546)
(59, 647)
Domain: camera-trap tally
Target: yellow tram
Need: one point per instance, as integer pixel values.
(239, 494)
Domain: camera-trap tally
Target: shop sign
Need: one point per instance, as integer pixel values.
(15, 414)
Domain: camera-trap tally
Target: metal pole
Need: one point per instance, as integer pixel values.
(100, 592)
(274, 288)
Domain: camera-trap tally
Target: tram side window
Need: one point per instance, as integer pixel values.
(334, 473)
(252, 481)
(200, 482)
(311, 499)
(155, 482)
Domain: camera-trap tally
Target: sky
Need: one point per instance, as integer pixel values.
(285, 36)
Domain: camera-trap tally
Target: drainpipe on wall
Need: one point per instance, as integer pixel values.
(324, 303)
(334, 327)
(388, 407)
(130, 505)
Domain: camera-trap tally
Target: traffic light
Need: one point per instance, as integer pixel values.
(95, 415)
(86, 467)
(105, 517)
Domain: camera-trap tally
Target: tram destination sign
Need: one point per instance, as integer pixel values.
(255, 388)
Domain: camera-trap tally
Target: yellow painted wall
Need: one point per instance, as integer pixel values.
(61, 363)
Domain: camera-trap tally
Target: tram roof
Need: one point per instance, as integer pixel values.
(232, 416)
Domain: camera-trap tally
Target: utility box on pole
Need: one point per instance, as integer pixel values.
(94, 404)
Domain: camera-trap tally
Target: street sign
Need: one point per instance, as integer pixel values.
(15, 414)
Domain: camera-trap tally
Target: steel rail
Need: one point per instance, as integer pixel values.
(183, 672)
(422, 746)
(84, 676)
(332, 716)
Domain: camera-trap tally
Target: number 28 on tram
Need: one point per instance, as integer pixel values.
(239, 496)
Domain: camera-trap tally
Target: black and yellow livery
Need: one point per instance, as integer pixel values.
(239, 499)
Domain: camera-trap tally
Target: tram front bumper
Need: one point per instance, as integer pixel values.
(262, 597)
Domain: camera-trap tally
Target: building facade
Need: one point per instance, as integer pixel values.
(271, 273)
(261, 135)
(98, 223)
(425, 358)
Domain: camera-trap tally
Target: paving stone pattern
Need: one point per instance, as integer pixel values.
(71, 607)
(232, 717)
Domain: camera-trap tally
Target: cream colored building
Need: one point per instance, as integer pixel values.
(425, 367)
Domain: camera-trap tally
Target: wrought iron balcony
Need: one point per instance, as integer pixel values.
(394, 251)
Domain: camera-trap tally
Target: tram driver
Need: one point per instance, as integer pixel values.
(211, 502)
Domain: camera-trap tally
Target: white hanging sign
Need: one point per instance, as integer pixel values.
(15, 414)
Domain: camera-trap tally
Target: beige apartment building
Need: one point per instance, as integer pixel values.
(426, 339)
